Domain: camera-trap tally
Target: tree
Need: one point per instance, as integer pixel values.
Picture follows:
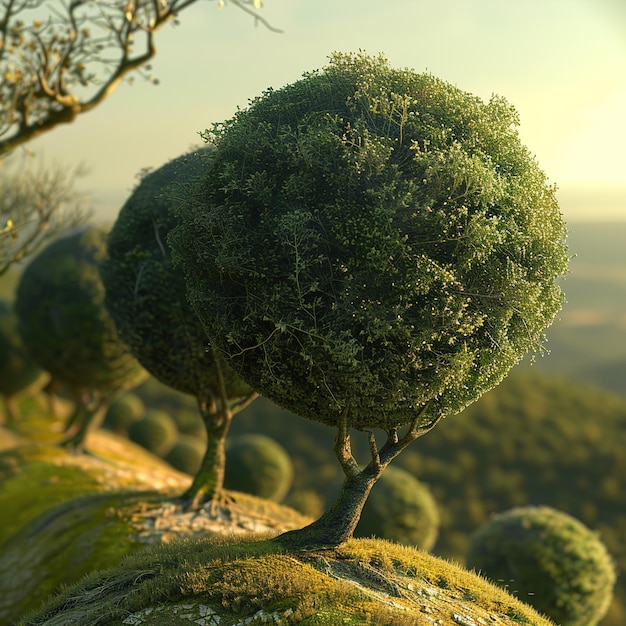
(146, 297)
(61, 59)
(371, 248)
(66, 328)
(36, 206)
(548, 559)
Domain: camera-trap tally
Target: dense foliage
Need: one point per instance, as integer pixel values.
(548, 559)
(145, 295)
(63, 321)
(372, 241)
(147, 299)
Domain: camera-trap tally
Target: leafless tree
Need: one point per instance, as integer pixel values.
(61, 58)
(37, 204)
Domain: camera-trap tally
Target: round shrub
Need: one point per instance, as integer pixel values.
(156, 432)
(123, 411)
(400, 509)
(187, 454)
(549, 560)
(258, 465)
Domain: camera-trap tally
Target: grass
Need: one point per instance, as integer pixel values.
(364, 581)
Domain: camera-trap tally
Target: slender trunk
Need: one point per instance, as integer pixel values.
(209, 480)
(90, 416)
(337, 524)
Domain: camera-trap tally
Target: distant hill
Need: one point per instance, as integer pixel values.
(588, 341)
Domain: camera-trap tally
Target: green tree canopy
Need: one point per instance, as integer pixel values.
(548, 559)
(146, 297)
(372, 248)
(65, 325)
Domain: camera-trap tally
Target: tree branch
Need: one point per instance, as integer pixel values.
(43, 63)
(343, 447)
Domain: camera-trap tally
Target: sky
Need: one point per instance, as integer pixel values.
(561, 63)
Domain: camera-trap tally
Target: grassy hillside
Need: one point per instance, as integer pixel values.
(363, 582)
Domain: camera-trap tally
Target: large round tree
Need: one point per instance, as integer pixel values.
(146, 297)
(67, 329)
(371, 248)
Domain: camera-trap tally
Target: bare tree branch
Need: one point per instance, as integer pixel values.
(61, 58)
(36, 206)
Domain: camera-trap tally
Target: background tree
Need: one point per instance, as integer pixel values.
(123, 411)
(548, 559)
(67, 329)
(146, 297)
(156, 431)
(37, 204)
(371, 248)
(258, 465)
(60, 59)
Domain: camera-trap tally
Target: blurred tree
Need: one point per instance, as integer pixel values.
(123, 411)
(36, 206)
(256, 464)
(65, 325)
(371, 248)
(60, 59)
(549, 560)
(186, 454)
(146, 297)
(156, 431)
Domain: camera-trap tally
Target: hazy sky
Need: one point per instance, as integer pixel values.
(561, 63)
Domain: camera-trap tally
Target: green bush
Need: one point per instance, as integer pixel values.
(305, 501)
(400, 509)
(123, 411)
(156, 432)
(186, 455)
(258, 465)
(549, 560)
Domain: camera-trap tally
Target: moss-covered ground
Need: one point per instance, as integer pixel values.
(252, 582)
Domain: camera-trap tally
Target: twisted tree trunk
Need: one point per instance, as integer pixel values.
(337, 524)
